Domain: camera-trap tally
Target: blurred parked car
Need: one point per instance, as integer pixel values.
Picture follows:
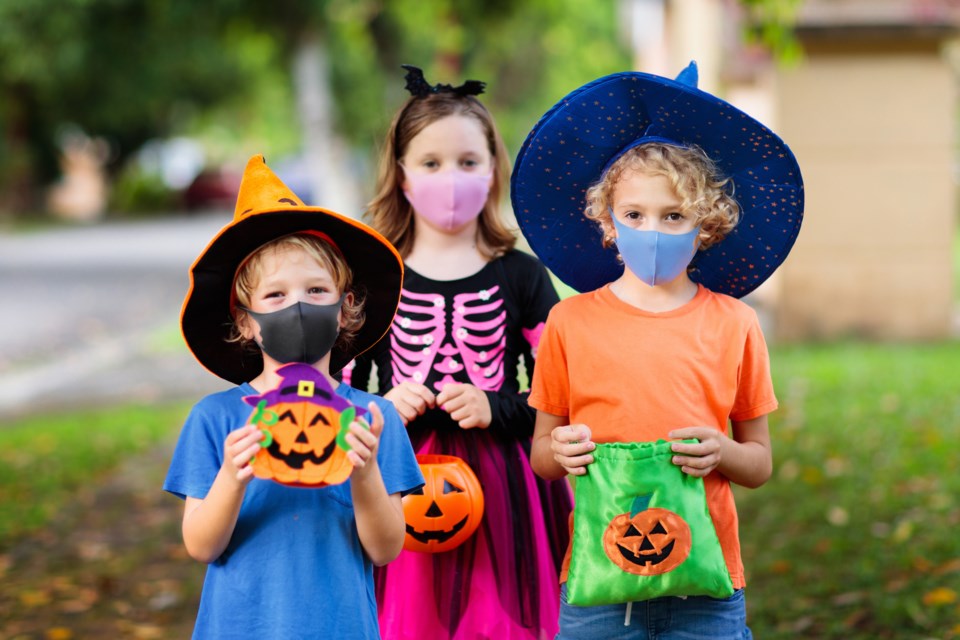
(212, 188)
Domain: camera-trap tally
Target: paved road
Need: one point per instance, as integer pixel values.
(91, 314)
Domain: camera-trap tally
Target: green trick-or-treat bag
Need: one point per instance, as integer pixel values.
(642, 530)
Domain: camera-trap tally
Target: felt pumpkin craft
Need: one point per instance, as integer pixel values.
(647, 541)
(445, 512)
(305, 423)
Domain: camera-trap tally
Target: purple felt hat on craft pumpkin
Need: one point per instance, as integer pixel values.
(578, 138)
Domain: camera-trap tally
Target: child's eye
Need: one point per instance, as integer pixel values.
(675, 217)
(274, 294)
(431, 164)
(632, 215)
(469, 164)
(317, 290)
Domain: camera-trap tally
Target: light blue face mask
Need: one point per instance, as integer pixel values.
(655, 257)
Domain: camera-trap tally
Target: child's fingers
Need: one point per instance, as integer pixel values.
(690, 449)
(376, 419)
(407, 412)
(358, 454)
(422, 393)
(362, 445)
(245, 472)
(363, 439)
(254, 436)
(572, 440)
(359, 434)
(450, 392)
(413, 404)
(697, 466)
(235, 437)
(243, 444)
(415, 398)
(572, 433)
(576, 465)
(243, 456)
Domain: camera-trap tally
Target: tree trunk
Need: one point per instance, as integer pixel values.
(18, 195)
(333, 183)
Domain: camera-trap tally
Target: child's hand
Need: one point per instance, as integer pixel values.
(466, 404)
(363, 441)
(239, 448)
(571, 447)
(411, 400)
(697, 459)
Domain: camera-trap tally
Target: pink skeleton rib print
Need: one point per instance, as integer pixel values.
(465, 336)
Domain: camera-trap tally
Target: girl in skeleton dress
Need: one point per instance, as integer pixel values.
(472, 309)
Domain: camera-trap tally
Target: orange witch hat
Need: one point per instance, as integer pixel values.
(266, 210)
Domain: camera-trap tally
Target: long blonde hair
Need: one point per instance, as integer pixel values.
(391, 214)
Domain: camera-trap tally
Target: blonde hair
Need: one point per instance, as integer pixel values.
(391, 214)
(694, 177)
(319, 247)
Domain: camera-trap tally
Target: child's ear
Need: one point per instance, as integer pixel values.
(244, 324)
(609, 231)
(707, 238)
(348, 301)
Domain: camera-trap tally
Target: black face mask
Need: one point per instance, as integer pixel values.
(302, 332)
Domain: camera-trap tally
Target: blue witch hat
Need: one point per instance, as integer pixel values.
(578, 138)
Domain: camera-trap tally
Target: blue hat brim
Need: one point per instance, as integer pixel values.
(571, 145)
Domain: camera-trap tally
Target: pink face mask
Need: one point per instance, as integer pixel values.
(448, 199)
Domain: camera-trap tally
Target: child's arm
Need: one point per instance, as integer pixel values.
(746, 459)
(379, 515)
(208, 523)
(559, 448)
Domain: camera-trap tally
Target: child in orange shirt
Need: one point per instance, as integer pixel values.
(677, 356)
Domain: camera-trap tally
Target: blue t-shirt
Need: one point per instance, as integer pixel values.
(294, 567)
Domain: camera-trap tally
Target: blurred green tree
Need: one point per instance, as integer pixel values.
(284, 76)
(119, 69)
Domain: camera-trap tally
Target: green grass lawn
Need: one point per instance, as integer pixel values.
(855, 536)
(46, 460)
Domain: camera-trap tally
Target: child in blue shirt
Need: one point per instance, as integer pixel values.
(288, 283)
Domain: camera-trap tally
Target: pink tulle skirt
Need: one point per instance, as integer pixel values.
(502, 583)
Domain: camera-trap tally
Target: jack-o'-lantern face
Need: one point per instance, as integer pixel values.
(447, 509)
(304, 447)
(304, 428)
(649, 542)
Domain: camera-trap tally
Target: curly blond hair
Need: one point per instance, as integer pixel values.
(694, 177)
(320, 248)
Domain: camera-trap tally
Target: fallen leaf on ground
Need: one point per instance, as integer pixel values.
(939, 597)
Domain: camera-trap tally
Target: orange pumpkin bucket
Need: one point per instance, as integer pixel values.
(446, 511)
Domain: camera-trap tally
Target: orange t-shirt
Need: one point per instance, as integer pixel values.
(633, 376)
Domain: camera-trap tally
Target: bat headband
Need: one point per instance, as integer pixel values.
(420, 88)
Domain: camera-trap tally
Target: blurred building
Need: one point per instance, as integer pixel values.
(870, 111)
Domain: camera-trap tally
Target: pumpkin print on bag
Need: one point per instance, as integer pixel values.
(446, 511)
(647, 542)
(304, 422)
